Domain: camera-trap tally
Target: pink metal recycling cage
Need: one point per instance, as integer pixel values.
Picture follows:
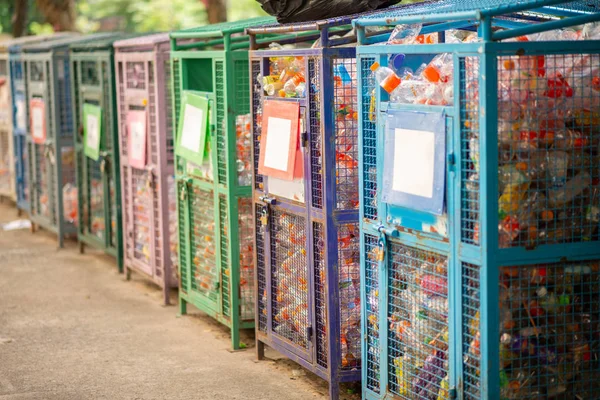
(148, 192)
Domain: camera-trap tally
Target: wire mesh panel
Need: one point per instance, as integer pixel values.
(18, 84)
(7, 151)
(149, 193)
(418, 323)
(372, 353)
(203, 249)
(245, 222)
(289, 278)
(503, 304)
(311, 294)
(6, 163)
(548, 144)
(549, 322)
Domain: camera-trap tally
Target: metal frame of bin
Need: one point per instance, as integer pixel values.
(404, 253)
(18, 88)
(326, 221)
(98, 182)
(50, 166)
(150, 56)
(220, 52)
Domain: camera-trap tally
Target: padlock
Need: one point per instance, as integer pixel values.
(380, 252)
(102, 165)
(264, 219)
(183, 193)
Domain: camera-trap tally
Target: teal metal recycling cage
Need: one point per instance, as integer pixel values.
(497, 297)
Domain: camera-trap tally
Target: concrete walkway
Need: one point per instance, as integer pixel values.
(71, 327)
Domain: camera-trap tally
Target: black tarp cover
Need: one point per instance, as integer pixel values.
(287, 11)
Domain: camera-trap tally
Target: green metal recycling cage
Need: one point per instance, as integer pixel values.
(215, 205)
(98, 181)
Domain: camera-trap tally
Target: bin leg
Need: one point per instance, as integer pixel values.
(19, 212)
(260, 350)
(235, 338)
(120, 263)
(81, 248)
(182, 306)
(33, 227)
(334, 390)
(167, 301)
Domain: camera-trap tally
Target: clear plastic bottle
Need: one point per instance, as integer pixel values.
(565, 194)
(386, 77)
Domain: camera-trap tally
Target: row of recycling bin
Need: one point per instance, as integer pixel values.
(408, 197)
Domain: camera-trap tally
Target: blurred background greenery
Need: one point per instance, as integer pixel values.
(22, 17)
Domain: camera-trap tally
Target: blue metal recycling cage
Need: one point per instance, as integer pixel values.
(495, 297)
(307, 239)
(51, 165)
(19, 118)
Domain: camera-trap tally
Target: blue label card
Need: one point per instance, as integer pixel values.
(414, 165)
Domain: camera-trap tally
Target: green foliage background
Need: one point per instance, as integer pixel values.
(132, 15)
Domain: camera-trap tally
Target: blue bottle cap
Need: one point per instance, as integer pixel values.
(397, 61)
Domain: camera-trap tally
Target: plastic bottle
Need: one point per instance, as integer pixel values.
(405, 34)
(566, 193)
(408, 91)
(386, 78)
(522, 217)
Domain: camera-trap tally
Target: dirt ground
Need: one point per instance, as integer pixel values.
(71, 327)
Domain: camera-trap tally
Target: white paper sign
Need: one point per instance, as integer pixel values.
(93, 134)
(21, 117)
(4, 104)
(37, 119)
(190, 134)
(278, 143)
(414, 162)
(137, 137)
(293, 190)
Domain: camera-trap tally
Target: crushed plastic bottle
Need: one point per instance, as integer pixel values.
(142, 198)
(173, 228)
(70, 202)
(286, 77)
(243, 125)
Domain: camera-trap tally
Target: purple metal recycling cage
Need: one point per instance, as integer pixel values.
(307, 239)
(149, 215)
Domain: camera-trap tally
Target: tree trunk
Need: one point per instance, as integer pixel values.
(19, 19)
(216, 11)
(59, 13)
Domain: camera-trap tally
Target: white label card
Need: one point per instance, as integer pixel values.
(278, 143)
(137, 137)
(192, 122)
(93, 134)
(37, 120)
(21, 116)
(414, 161)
